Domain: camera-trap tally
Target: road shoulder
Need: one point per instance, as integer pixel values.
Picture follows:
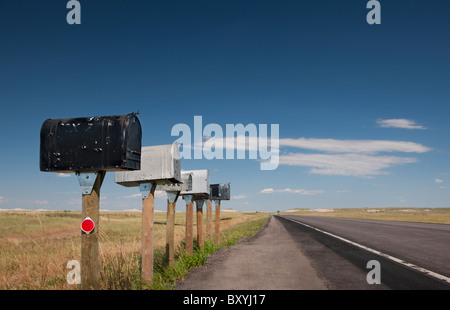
(271, 260)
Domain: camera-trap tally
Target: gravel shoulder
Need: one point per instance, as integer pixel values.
(270, 260)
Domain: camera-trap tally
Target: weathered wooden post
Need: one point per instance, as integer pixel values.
(217, 232)
(173, 192)
(200, 239)
(90, 276)
(200, 191)
(170, 226)
(148, 210)
(159, 165)
(90, 146)
(209, 219)
(219, 192)
(189, 246)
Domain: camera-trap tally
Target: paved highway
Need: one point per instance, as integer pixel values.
(316, 254)
(412, 255)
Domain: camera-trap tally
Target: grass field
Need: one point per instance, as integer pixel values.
(425, 215)
(36, 247)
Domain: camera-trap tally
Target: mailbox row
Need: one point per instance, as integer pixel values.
(93, 145)
(161, 165)
(113, 143)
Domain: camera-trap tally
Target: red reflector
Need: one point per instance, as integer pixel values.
(87, 225)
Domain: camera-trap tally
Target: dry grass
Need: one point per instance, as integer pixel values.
(36, 246)
(425, 215)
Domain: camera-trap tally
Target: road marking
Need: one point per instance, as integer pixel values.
(392, 258)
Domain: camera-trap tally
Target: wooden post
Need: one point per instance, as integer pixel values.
(148, 208)
(170, 227)
(209, 220)
(189, 227)
(90, 272)
(217, 222)
(200, 240)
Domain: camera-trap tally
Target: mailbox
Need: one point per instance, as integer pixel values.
(185, 185)
(105, 143)
(159, 164)
(220, 192)
(200, 184)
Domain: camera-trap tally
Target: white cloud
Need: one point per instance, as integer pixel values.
(138, 195)
(158, 194)
(40, 202)
(349, 157)
(342, 191)
(239, 197)
(63, 175)
(267, 191)
(250, 144)
(438, 181)
(360, 165)
(292, 191)
(74, 202)
(354, 146)
(1, 199)
(399, 123)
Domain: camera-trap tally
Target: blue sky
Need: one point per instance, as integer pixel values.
(362, 109)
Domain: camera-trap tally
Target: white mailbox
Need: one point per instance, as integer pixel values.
(200, 184)
(159, 164)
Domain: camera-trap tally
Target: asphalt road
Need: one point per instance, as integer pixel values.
(287, 255)
(423, 244)
(271, 260)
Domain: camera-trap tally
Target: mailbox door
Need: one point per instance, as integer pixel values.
(220, 191)
(160, 164)
(200, 182)
(106, 143)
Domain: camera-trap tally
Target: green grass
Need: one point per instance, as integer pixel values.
(123, 272)
(165, 276)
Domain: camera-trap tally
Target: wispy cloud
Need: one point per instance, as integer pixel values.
(251, 144)
(438, 181)
(63, 175)
(132, 196)
(40, 202)
(239, 197)
(399, 123)
(292, 191)
(354, 146)
(158, 194)
(359, 165)
(358, 158)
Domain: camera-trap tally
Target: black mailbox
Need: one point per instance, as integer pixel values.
(105, 143)
(220, 192)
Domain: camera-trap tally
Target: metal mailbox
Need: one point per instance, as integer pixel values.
(200, 184)
(185, 185)
(220, 192)
(159, 164)
(104, 143)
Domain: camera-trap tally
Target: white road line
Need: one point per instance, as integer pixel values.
(392, 258)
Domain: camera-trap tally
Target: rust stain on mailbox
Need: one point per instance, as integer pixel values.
(107, 143)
